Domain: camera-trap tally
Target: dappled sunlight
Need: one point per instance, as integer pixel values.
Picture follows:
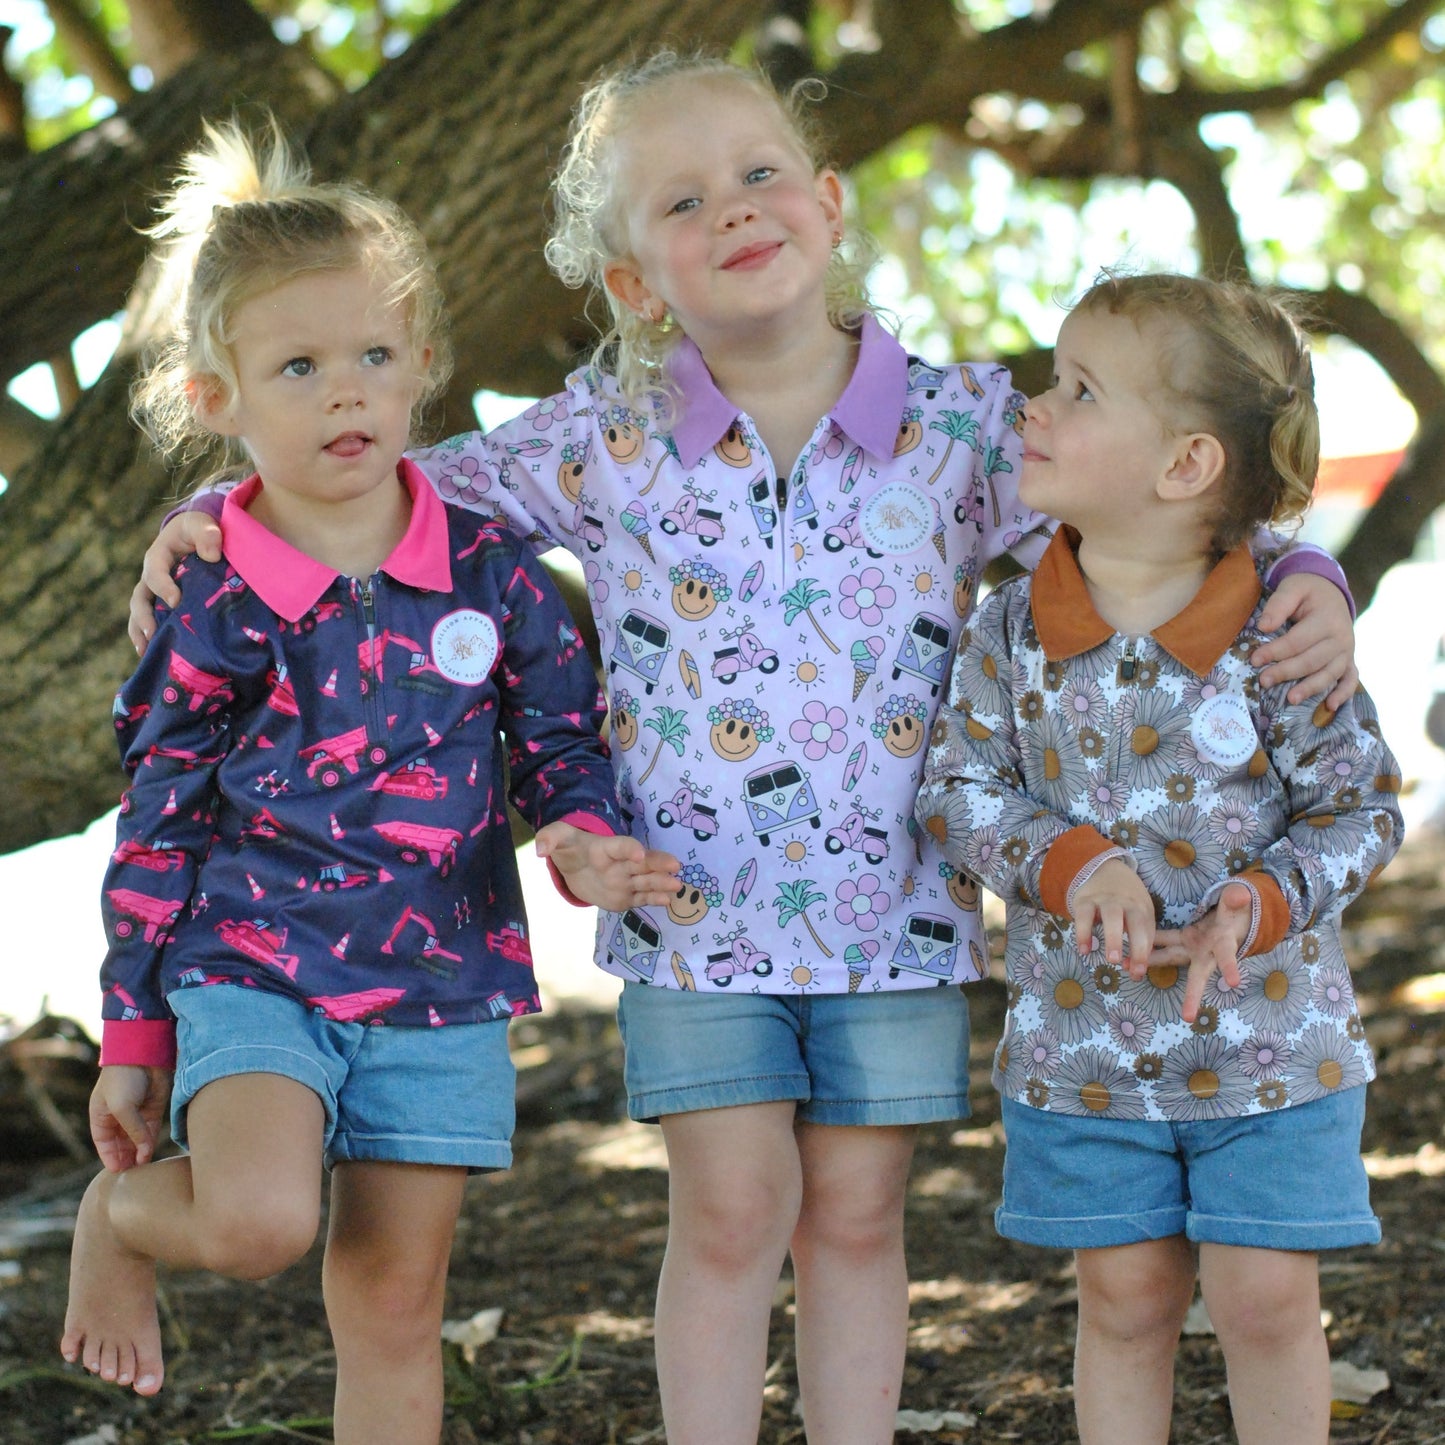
(1427, 1161)
(980, 1297)
(625, 1145)
(602, 1324)
(1425, 994)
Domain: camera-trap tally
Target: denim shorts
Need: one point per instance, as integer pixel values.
(404, 1095)
(878, 1058)
(1292, 1179)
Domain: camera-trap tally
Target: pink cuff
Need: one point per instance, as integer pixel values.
(145, 1043)
(588, 824)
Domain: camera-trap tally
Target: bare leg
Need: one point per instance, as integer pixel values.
(1132, 1303)
(384, 1279)
(1265, 1307)
(852, 1281)
(245, 1202)
(734, 1194)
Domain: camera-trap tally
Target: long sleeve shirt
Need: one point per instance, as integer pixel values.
(317, 763)
(1063, 743)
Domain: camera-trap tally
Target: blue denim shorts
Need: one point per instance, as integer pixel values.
(442, 1095)
(1292, 1179)
(877, 1058)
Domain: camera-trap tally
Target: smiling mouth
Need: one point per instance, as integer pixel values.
(747, 258)
(348, 444)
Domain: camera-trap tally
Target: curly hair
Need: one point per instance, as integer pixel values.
(243, 217)
(587, 234)
(1238, 366)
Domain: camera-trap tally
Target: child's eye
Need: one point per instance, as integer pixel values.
(299, 366)
(760, 173)
(1082, 392)
(377, 356)
(680, 208)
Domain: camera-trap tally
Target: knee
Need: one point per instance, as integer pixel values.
(397, 1303)
(732, 1225)
(258, 1240)
(1133, 1308)
(1260, 1321)
(861, 1221)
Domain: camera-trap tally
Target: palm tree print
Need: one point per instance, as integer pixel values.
(994, 461)
(801, 599)
(793, 901)
(957, 426)
(671, 728)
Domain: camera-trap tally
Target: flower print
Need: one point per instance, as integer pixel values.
(1081, 702)
(1199, 690)
(1339, 764)
(1072, 1009)
(596, 582)
(1015, 851)
(1177, 858)
(1130, 1028)
(1265, 1055)
(1091, 743)
(1148, 1068)
(1271, 1094)
(1056, 772)
(1125, 832)
(861, 903)
(1276, 992)
(1354, 1028)
(865, 597)
(1108, 977)
(1146, 672)
(1105, 799)
(1218, 996)
(982, 676)
(1323, 1064)
(1051, 936)
(463, 481)
(1331, 991)
(1039, 1052)
(950, 816)
(1160, 993)
(1026, 968)
(1036, 1094)
(1201, 1079)
(1153, 744)
(1206, 1021)
(542, 413)
(1179, 788)
(1009, 1063)
(1091, 1082)
(1031, 706)
(1055, 673)
(982, 849)
(1232, 825)
(820, 730)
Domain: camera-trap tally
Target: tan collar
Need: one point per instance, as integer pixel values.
(1067, 623)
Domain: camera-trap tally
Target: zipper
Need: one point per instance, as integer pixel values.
(371, 701)
(1128, 660)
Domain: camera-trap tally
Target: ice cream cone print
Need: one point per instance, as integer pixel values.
(854, 978)
(938, 543)
(859, 679)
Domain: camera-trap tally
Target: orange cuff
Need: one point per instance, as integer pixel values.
(1273, 910)
(1068, 854)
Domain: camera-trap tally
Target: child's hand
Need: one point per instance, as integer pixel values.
(1319, 645)
(185, 533)
(612, 871)
(1208, 946)
(1121, 904)
(126, 1109)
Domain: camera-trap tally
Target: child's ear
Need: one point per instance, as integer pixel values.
(625, 282)
(213, 407)
(830, 196)
(1198, 464)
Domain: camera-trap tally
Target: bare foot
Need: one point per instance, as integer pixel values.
(111, 1325)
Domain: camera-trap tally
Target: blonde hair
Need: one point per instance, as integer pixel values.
(244, 216)
(1242, 373)
(587, 232)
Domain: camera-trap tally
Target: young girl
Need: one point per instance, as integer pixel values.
(782, 518)
(1108, 755)
(313, 907)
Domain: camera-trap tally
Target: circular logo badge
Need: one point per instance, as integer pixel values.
(897, 518)
(464, 646)
(1223, 731)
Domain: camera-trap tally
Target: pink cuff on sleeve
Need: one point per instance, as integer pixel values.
(146, 1043)
(588, 824)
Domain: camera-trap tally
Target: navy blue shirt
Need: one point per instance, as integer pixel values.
(318, 778)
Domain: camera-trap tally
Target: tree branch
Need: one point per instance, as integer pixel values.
(89, 50)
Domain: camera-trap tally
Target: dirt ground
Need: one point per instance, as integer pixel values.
(569, 1241)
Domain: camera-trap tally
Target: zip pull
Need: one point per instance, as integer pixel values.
(782, 490)
(1128, 661)
(368, 604)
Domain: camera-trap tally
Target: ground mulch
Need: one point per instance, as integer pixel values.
(569, 1241)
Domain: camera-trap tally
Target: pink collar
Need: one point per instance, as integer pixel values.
(290, 583)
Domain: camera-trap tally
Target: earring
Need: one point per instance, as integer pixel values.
(837, 239)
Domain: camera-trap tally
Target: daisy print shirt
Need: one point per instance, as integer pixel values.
(1063, 743)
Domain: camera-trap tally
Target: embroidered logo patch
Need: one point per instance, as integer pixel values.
(464, 646)
(1223, 731)
(896, 519)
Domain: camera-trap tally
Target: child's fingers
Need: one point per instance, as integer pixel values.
(1284, 664)
(141, 624)
(1344, 689)
(155, 576)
